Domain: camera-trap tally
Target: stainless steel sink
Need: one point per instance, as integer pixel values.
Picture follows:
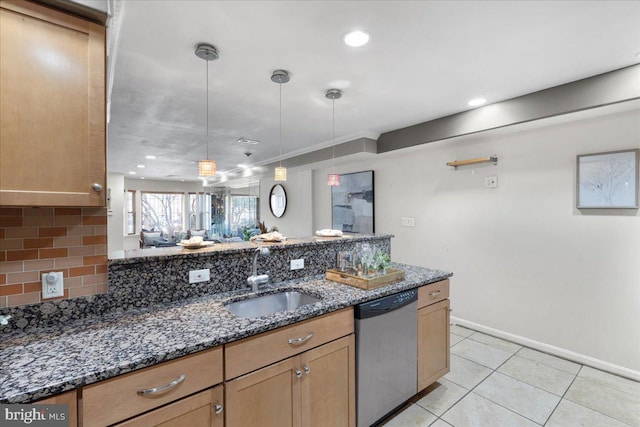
(270, 304)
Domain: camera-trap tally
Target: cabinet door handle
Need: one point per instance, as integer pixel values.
(298, 373)
(433, 294)
(96, 187)
(162, 388)
(218, 408)
(307, 370)
(298, 341)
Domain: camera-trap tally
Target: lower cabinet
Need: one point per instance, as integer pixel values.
(433, 333)
(328, 384)
(200, 410)
(314, 388)
(69, 398)
(169, 389)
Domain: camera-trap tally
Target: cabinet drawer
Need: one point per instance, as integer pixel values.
(433, 292)
(200, 410)
(253, 353)
(117, 399)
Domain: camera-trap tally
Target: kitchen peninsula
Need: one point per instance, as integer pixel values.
(152, 317)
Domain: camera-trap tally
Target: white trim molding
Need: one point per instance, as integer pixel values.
(550, 349)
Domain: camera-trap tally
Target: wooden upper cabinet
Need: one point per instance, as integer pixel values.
(52, 107)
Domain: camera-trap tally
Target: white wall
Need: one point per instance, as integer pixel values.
(525, 261)
(297, 220)
(115, 215)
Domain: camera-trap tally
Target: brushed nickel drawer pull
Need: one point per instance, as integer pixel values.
(218, 408)
(298, 373)
(307, 370)
(162, 388)
(433, 294)
(298, 341)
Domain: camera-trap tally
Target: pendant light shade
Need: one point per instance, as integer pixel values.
(280, 77)
(206, 168)
(281, 174)
(333, 179)
(208, 53)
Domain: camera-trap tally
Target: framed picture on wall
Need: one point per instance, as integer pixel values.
(608, 180)
(352, 203)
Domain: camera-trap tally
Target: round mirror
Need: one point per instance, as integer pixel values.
(278, 200)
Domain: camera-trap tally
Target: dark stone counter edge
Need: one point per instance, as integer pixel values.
(32, 396)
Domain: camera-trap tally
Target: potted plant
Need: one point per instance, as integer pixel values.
(382, 260)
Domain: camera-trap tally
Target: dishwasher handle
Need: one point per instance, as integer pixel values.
(386, 304)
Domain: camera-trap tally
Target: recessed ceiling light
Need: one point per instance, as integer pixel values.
(248, 141)
(476, 102)
(132, 173)
(150, 157)
(141, 166)
(356, 38)
(142, 177)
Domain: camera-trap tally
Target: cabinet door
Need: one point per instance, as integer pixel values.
(52, 108)
(433, 343)
(69, 398)
(328, 384)
(200, 410)
(268, 397)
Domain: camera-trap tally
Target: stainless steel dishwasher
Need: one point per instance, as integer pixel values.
(386, 355)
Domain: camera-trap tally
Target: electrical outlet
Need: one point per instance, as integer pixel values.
(491, 181)
(297, 264)
(407, 222)
(196, 276)
(52, 284)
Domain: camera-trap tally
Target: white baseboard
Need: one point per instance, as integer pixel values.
(555, 351)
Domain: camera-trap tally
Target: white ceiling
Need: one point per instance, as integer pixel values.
(425, 60)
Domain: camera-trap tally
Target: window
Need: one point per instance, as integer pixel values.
(130, 216)
(164, 212)
(199, 211)
(244, 213)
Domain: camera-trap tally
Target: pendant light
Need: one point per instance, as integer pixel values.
(333, 179)
(280, 77)
(208, 53)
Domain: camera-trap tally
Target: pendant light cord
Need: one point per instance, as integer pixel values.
(333, 136)
(207, 109)
(280, 86)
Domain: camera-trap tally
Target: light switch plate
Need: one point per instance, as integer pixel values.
(407, 221)
(297, 264)
(197, 276)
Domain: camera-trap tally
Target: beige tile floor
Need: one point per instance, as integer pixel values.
(496, 383)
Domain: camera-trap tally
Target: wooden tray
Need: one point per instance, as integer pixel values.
(393, 275)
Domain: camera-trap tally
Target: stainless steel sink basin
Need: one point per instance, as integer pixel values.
(270, 304)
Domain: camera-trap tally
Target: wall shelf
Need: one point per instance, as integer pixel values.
(490, 159)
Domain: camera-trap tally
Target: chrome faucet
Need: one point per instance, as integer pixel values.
(256, 280)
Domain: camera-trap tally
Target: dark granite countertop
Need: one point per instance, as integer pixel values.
(44, 362)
